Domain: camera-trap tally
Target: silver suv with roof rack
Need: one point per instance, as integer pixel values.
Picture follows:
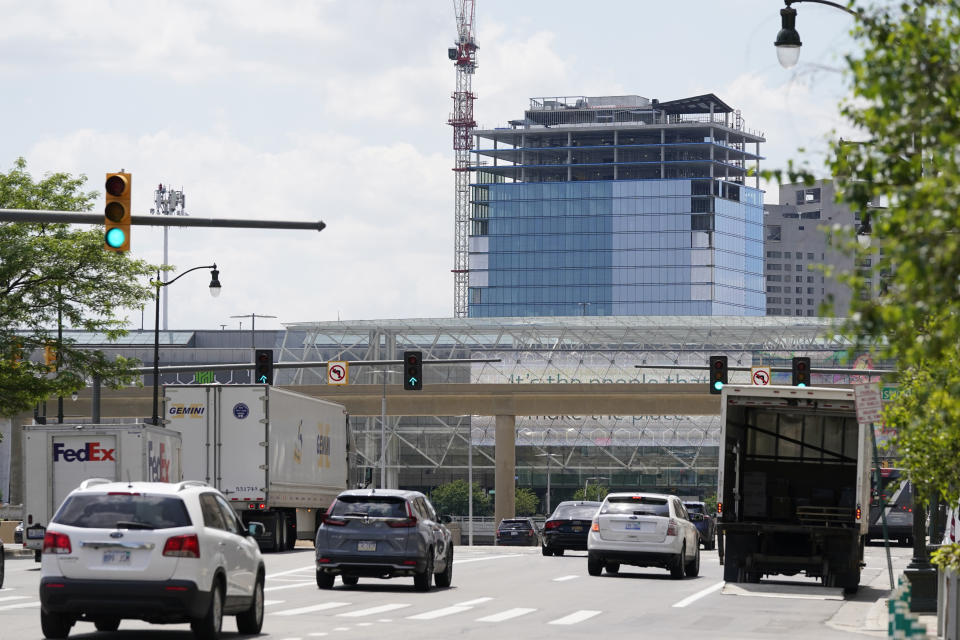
(383, 533)
(153, 551)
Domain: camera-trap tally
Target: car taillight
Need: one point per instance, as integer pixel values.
(411, 520)
(595, 526)
(329, 520)
(551, 524)
(671, 527)
(182, 546)
(54, 542)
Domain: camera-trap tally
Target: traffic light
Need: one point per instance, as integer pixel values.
(412, 370)
(718, 373)
(116, 222)
(263, 366)
(801, 372)
(50, 356)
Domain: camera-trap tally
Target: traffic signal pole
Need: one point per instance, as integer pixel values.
(48, 216)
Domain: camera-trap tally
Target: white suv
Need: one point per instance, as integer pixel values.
(154, 551)
(646, 530)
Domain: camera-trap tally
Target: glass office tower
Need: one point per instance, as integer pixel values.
(617, 205)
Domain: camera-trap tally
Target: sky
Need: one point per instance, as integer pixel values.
(336, 110)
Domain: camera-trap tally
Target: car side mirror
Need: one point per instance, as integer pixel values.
(255, 529)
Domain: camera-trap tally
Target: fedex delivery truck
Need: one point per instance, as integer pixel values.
(57, 458)
(279, 457)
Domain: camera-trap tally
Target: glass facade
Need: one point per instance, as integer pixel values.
(617, 247)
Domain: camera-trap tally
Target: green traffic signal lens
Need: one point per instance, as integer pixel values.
(717, 385)
(115, 238)
(801, 384)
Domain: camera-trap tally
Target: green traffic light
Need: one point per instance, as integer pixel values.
(718, 385)
(115, 238)
(801, 384)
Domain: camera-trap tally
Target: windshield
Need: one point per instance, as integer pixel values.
(370, 506)
(574, 513)
(520, 525)
(122, 511)
(694, 507)
(637, 506)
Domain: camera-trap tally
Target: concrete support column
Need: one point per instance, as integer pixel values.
(505, 454)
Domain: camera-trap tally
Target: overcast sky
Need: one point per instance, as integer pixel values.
(336, 110)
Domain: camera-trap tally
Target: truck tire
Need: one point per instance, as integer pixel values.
(678, 566)
(291, 533)
(692, 568)
(710, 544)
(731, 572)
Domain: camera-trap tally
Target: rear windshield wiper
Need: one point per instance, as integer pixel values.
(355, 513)
(126, 524)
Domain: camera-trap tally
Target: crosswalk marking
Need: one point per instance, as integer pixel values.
(470, 603)
(20, 605)
(565, 578)
(372, 610)
(292, 585)
(311, 608)
(267, 603)
(576, 616)
(8, 598)
(439, 613)
(506, 615)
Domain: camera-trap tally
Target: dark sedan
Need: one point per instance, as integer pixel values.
(568, 526)
(518, 531)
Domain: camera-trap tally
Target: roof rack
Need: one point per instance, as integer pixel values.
(92, 482)
(191, 483)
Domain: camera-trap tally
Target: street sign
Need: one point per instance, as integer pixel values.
(337, 372)
(868, 401)
(889, 392)
(760, 376)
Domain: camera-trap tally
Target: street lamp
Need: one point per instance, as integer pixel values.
(596, 480)
(550, 457)
(788, 39)
(214, 291)
(383, 427)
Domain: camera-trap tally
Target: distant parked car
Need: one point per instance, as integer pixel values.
(383, 533)
(645, 530)
(518, 531)
(18, 534)
(705, 523)
(568, 526)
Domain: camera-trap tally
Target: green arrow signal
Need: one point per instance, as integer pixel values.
(412, 381)
(263, 379)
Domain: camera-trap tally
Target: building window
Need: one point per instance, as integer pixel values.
(798, 290)
(810, 301)
(799, 312)
(799, 300)
(809, 290)
(808, 196)
(809, 256)
(774, 267)
(773, 300)
(799, 267)
(798, 278)
(774, 278)
(774, 289)
(773, 312)
(773, 254)
(810, 215)
(809, 312)
(787, 267)
(773, 233)
(809, 278)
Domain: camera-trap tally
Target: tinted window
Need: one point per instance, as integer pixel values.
(637, 506)
(694, 507)
(515, 525)
(229, 516)
(373, 506)
(123, 511)
(211, 511)
(574, 513)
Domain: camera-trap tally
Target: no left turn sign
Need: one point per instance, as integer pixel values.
(760, 376)
(337, 372)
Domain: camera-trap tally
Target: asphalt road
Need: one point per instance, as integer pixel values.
(516, 592)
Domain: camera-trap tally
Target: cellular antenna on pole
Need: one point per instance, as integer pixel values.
(168, 203)
(464, 56)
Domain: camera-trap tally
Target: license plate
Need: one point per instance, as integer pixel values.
(513, 533)
(636, 526)
(576, 529)
(35, 533)
(366, 546)
(115, 558)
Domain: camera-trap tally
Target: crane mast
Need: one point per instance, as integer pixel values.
(464, 57)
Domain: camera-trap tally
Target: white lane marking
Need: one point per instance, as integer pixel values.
(341, 629)
(470, 603)
(699, 594)
(372, 610)
(564, 578)
(290, 586)
(506, 615)
(317, 634)
(283, 573)
(508, 555)
(576, 616)
(310, 609)
(20, 605)
(267, 603)
(8, 598)
(439, 613)
(364, 624)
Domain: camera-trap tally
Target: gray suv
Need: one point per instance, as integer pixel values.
(383, 533)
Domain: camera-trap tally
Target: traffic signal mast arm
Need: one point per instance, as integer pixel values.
(827, 370)
(48, 216)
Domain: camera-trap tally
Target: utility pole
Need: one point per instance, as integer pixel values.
(168, 203)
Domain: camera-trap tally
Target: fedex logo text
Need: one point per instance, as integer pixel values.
(159, 464)
(91, 452)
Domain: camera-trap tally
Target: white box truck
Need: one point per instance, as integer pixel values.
(57, 458)
(794, 484)
(279, 457)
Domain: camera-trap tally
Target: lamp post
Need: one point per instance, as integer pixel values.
(788, 39)
(383, 427)
(586, 484)
(253, 331)
(550, 457)
(214, 291)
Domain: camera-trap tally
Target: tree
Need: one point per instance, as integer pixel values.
(48, 270)
(710, 503)
(905, 102)
(525, 502)
(453, 499)
(594, 492)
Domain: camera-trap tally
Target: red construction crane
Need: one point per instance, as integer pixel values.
(464, 56)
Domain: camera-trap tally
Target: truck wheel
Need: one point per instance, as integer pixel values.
(55, 625)
(445, 577)
(251, 620)
(291, 531)
(594, 565)
(676, 571)
(692, 569)
(422, 580)
(324, 580)
(730, 571)
(710, 544)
